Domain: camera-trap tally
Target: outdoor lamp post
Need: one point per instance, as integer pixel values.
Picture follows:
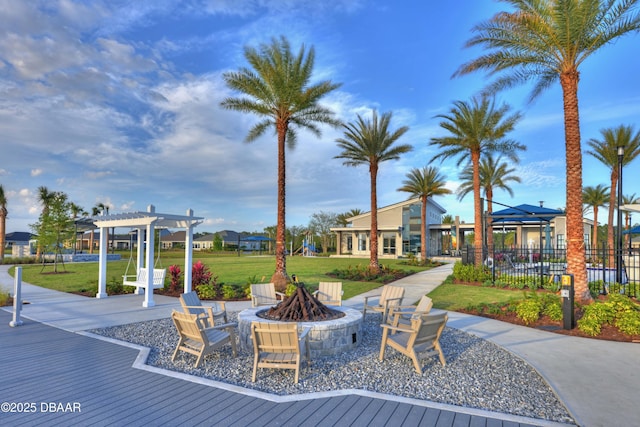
(619, 233)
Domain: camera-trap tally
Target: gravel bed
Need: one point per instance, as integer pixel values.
(478, 373)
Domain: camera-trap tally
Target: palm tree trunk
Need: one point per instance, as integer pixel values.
(576, 262)
(477, 208)
(280, 277)
(423, 229)
(374, 265)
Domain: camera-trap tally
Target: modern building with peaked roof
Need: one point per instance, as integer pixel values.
(398, 231)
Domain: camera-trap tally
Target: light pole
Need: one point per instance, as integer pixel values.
(619, 231)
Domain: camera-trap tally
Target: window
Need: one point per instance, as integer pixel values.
(560, 241)
(362, 242)
(389, 243)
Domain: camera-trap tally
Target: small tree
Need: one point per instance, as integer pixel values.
(55, 226)
(217, 242)
(321, 223)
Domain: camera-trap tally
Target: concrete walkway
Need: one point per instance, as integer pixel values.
(597, 380)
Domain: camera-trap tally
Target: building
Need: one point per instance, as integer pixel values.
(398, 231)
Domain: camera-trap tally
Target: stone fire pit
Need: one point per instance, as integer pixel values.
(326, 338)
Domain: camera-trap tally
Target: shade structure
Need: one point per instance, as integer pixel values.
(525, 214)
(145, 222)
(634, 230)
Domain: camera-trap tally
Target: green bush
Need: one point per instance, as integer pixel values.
(529, 310)
(629, 322)
(232, 291)
(206, 291)
(553, 310)
(596, 315)
(5, 297)
(470, 273)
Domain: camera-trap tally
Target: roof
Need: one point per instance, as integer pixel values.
(525, 213)
(19, 236)
(139, 219)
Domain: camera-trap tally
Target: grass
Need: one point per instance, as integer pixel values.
(456, 297)
(80, 277)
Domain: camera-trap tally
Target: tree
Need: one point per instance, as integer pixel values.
(424, 183)
(493, 175)
(321, 223)
(594, 198)
(217, 242)
(3, 222)
(370, 142)
(477, 128)
(546, 41)
(343, 218)
(76, 210)
(45, 197)
(294, 232)
(278, 89)
(605, 150)
(55, 225)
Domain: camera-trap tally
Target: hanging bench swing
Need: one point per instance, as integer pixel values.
(139, 280)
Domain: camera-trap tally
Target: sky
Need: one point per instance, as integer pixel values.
(118, 102)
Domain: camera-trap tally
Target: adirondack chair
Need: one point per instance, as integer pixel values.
(418, 341)
(391, 296)
(329, 293)
(198, 340)
(278, 346)
(402, 314)
(209, 314)
(265, 294)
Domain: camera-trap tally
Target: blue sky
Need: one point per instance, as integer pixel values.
(117, 102)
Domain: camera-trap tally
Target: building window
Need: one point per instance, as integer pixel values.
(560, 241)
(362, 242)
(389, 243)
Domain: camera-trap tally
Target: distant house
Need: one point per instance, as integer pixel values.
(231, 240)
(204, 242)
(18, 238)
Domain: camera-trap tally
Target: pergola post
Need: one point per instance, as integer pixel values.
(139, 253)
(102, 265)
(148, 292)
(188, 253)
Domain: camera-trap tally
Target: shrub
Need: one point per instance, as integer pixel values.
(629, 322)
(596, 315)
(176, 278)
(201, 276)
(5, 297)
(553, 310)
(206, 291)
(232, 291)
(470, 273)
(529, 310)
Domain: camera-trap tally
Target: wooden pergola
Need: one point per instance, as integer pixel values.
(145, 222)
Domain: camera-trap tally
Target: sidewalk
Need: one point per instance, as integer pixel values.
(597, 380)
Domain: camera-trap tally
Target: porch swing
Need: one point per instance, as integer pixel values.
(140, 282)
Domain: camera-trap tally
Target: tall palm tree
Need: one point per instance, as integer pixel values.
(493, 175)
(76, 211)
(424, 183)
(3, 222)
(546, 41)
(477, 128)
(594, 198)
(606, 151)
(278, 89)
(370, 142)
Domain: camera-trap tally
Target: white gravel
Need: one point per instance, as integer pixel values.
(478, 373)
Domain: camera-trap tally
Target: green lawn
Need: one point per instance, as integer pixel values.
(227, 268)
(455, 297)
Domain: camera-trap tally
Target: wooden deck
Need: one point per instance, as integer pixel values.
(71, 379)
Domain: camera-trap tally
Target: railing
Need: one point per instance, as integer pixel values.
(537, 268)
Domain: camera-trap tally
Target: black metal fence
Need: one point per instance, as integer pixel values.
(608, 270)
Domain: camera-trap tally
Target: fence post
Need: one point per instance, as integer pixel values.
(17, 298)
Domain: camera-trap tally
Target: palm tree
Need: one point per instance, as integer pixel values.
(3, 222)
(477, 128)
(278, 89)
(370, 142)
(606, 151)
(424, 183)
(493, 174)
(546, 41)
(594, 198)
(343, 217)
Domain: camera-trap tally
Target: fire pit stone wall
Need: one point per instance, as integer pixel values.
(326, 338)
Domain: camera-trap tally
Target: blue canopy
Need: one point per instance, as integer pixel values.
(525, 213)
(634, 230)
